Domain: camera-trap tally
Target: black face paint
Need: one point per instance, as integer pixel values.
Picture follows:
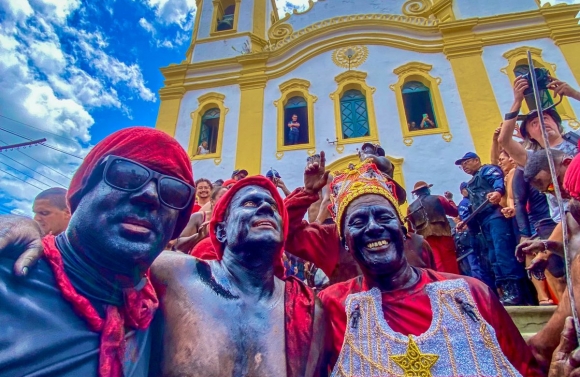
(253, 222)
(120, 233)
(374, 234)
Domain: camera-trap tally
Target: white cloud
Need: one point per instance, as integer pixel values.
(288, 6)
(52, 76)
(146, 25)
(178, 12)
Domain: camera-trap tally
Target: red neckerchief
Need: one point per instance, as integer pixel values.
(137, 313)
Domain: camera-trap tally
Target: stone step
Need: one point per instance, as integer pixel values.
(530, 319)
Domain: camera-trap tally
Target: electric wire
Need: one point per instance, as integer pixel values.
(20, 179)
(43, 144)
(34, 159)
(24, 174)
(28, 167)
(36, 128)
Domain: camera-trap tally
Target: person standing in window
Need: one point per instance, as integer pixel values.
(203, 148)
(294, 132)
(426, 122)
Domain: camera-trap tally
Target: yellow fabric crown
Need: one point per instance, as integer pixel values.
(355, 181)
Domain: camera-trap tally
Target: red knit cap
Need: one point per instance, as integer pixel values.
(147, 146)
(222, 205)
(572, 178)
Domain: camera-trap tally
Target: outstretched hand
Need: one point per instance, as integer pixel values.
(315, 175)
(566, 357)
(23, 236)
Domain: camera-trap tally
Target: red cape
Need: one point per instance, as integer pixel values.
(299, 304)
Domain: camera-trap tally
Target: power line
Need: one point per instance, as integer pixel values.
(24, 174)
(43, 144)
(28, 167)
(20, 179)
(46, 166)
(36, 128)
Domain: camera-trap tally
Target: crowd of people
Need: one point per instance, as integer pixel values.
(138, 270)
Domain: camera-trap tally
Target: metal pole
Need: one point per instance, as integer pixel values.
(20, 145)
(557, 192)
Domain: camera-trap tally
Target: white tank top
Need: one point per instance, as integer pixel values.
(456, 344)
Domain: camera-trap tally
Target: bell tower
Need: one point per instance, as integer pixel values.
(229, 28)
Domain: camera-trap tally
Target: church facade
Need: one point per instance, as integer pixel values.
(427, 79)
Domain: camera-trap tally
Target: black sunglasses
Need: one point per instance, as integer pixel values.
(127, 175)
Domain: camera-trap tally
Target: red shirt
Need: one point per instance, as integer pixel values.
(408, 311)
(196, 208)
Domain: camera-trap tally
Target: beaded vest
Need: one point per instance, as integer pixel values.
(459, 341)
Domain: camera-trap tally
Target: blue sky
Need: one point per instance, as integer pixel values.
(74, 71)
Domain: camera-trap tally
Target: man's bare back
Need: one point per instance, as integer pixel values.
(211, 327)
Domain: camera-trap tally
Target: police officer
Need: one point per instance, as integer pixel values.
(487, 188)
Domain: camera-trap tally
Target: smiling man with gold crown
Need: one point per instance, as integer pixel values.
(398, 320)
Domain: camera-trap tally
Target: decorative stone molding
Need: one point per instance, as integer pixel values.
(358, 55)
(281, 33)
(418, 8)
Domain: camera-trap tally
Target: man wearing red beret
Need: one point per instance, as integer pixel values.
(86, 309)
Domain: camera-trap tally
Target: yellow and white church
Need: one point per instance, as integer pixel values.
(427, 79)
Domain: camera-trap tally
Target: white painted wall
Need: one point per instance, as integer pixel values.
(479, 8)
(205, 20)
(207, 168)
(220, 49)
(502, 87)
(428, 158)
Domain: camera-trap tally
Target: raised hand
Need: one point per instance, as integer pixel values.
(561, 88)
(520, 85)
(315, 175)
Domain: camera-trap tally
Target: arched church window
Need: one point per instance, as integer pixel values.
(419, 102)
(207, 127)
(517, 60)
(208, 132)
(418, 106)
(225, 15)
(296, 120)
(354, 114)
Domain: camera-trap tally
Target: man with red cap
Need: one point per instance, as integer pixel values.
(234, 316)
(86, 309)
(428, 214)
(231, 316)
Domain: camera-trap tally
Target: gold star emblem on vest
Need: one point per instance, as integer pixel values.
(414, 363)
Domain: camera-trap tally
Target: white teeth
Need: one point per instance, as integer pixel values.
(372, 245)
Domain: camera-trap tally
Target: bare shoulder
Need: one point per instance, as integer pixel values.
(169, 265)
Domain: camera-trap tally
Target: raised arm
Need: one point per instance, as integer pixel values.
(495, 148)
(194, 232)
(316, 243)
(515, 149)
